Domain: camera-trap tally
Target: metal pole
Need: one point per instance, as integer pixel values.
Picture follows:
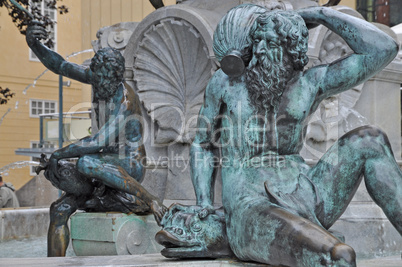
(60, 111)
(60, 117)
(41, 131)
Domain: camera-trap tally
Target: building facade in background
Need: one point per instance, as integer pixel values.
(386, 12)
(74, 31)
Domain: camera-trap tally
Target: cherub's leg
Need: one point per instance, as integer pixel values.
(364, 151)
(266, 233)
(112, 171)
(58, 234)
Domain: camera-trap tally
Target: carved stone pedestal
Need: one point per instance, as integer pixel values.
(100, 234)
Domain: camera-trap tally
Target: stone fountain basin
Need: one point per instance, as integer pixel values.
(16, 223)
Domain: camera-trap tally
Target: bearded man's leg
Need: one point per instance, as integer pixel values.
(366, 152)
(262, 232)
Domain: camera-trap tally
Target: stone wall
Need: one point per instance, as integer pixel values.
(37, 192)
(23, 223)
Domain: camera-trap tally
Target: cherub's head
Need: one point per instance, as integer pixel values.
(108, 70)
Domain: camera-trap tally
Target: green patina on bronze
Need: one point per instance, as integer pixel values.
(190, 231)
(109, 168)
(277, 208)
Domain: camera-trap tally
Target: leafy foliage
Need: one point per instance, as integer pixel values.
(21, 19)
(5, 95)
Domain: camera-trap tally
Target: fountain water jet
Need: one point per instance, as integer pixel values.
(5, 114)
(18, 164)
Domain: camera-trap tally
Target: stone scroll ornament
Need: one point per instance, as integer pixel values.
(278, 209)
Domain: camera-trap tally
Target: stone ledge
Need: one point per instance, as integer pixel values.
(113, 233)
(156, 260)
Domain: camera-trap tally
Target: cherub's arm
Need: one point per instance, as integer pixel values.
(51, 59)
(90, 144)
(202, 152)
(373, 50)
(105, 137)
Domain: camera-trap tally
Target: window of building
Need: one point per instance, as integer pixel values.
(387, 12)
(52, 13)
(35, 144)
(37, 107)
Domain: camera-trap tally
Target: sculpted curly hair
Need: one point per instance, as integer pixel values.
(112, 60)
(293, 32)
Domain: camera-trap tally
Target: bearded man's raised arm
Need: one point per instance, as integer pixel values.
(373, 50)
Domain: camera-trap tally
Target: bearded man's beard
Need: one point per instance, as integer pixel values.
(267, 78)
